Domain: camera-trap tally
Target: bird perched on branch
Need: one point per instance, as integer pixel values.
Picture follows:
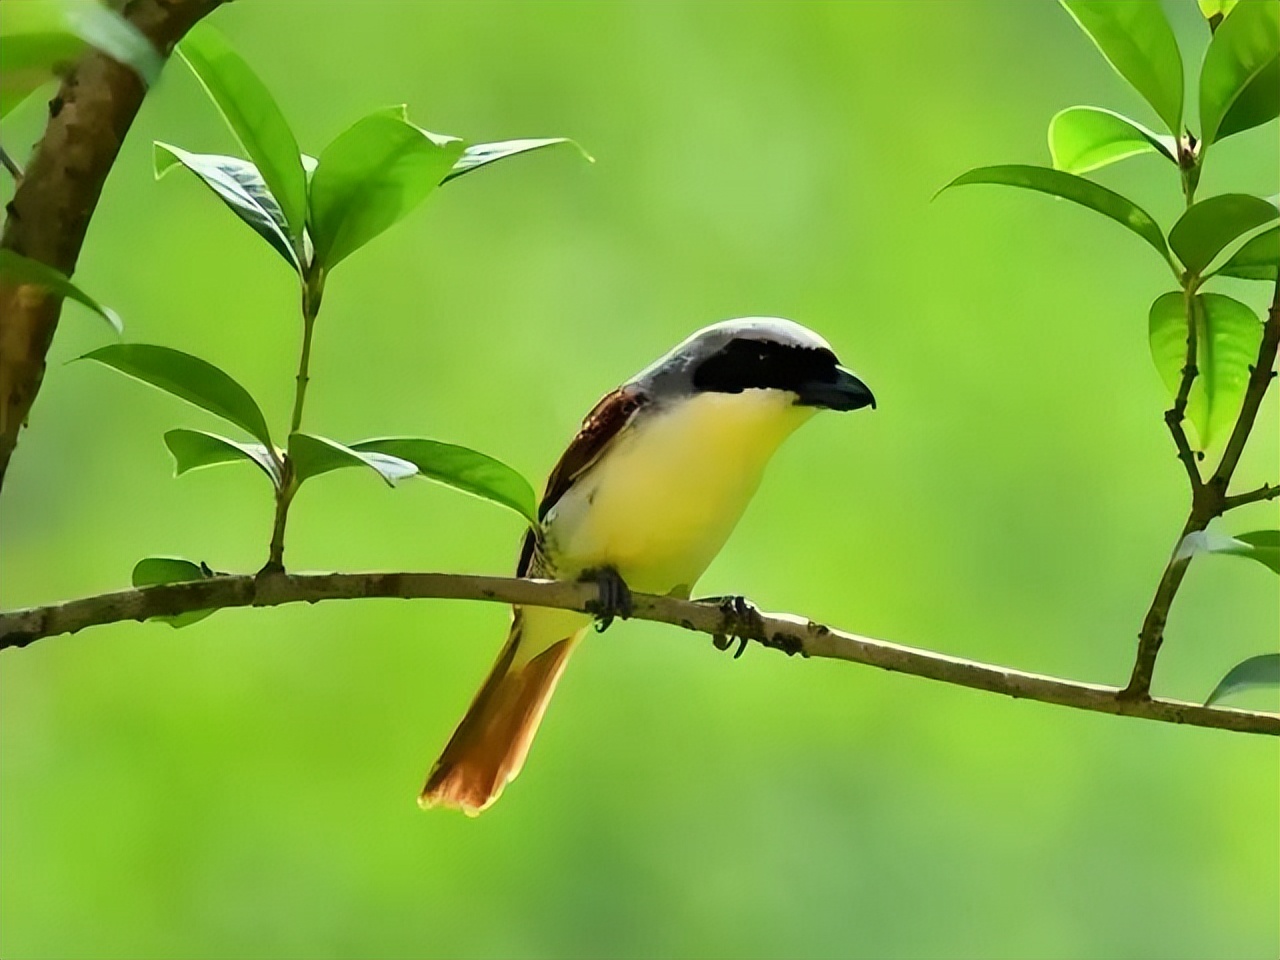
(644, 498)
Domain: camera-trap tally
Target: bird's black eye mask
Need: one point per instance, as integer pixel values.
(761, 364)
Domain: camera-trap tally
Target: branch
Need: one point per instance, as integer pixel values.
(1265, 492)
(56, 196)
(782, 631)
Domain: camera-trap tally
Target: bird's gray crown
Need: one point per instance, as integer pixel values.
(675, 374)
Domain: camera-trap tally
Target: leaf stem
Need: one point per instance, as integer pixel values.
(312, 294)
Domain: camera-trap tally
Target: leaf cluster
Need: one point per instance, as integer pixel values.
(314, 212)
(1202, 344)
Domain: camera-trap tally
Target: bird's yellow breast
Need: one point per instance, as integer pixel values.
(666, 494)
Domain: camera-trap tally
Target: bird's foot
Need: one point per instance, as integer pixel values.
(614, 596)
(741, 621)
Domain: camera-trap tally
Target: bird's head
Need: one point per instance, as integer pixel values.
(757, 353)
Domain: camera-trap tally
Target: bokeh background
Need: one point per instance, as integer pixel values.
(245, 787)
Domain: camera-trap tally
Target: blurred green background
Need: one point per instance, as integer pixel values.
(245, 787)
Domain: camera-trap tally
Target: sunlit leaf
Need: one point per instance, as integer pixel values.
(239, 185)
(312, 456)
(254, 117)
(190, 378)
(1206, 228)
(1215, 8)
(150, 571)
(1138, 42)
(370, 177)
(463, 469)
(1258, 259)
(1227, 338)
(1240, 79)
(19, 269)
(481, 154)
(1086, 138)
(1076, 189)
(1259, 671)
(193, 449)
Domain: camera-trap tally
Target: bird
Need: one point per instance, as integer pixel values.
(643, 499)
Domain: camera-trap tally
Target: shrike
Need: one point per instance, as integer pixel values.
(644, 498)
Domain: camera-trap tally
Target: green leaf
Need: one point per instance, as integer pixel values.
(42, 37)
(1265, 546)
(31, 60)
(1138, 42)
(1260, 671)
(1208, 226)
(1073, 188)
(1086, 138)
(1260, 545)
(20, 269)
(482, 154)
(1258, 259)
(463, 469)
(1240, 79)
(239, 185)
(1227, 338)
(371, 176)
(1215, 8)
(154, 570)
(193, 449)
(312, 456)
(253, 117)
(190, 378)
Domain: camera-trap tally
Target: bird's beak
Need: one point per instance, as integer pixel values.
(846, 392)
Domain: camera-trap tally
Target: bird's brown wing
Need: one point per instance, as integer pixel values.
(603, 423)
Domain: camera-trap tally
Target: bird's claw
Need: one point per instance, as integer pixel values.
(741, 621)
(614, 598)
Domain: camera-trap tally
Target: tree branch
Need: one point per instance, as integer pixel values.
(782, 631)
(1267, 491)
(50, 211)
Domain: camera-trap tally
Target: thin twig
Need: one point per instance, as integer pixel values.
(11, 165)
(1175, 416)
(782, 631)
(1267, 491)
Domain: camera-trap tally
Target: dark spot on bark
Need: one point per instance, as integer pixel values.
(788, 643)
(55, 106)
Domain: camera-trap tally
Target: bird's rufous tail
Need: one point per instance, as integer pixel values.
(490, 745)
